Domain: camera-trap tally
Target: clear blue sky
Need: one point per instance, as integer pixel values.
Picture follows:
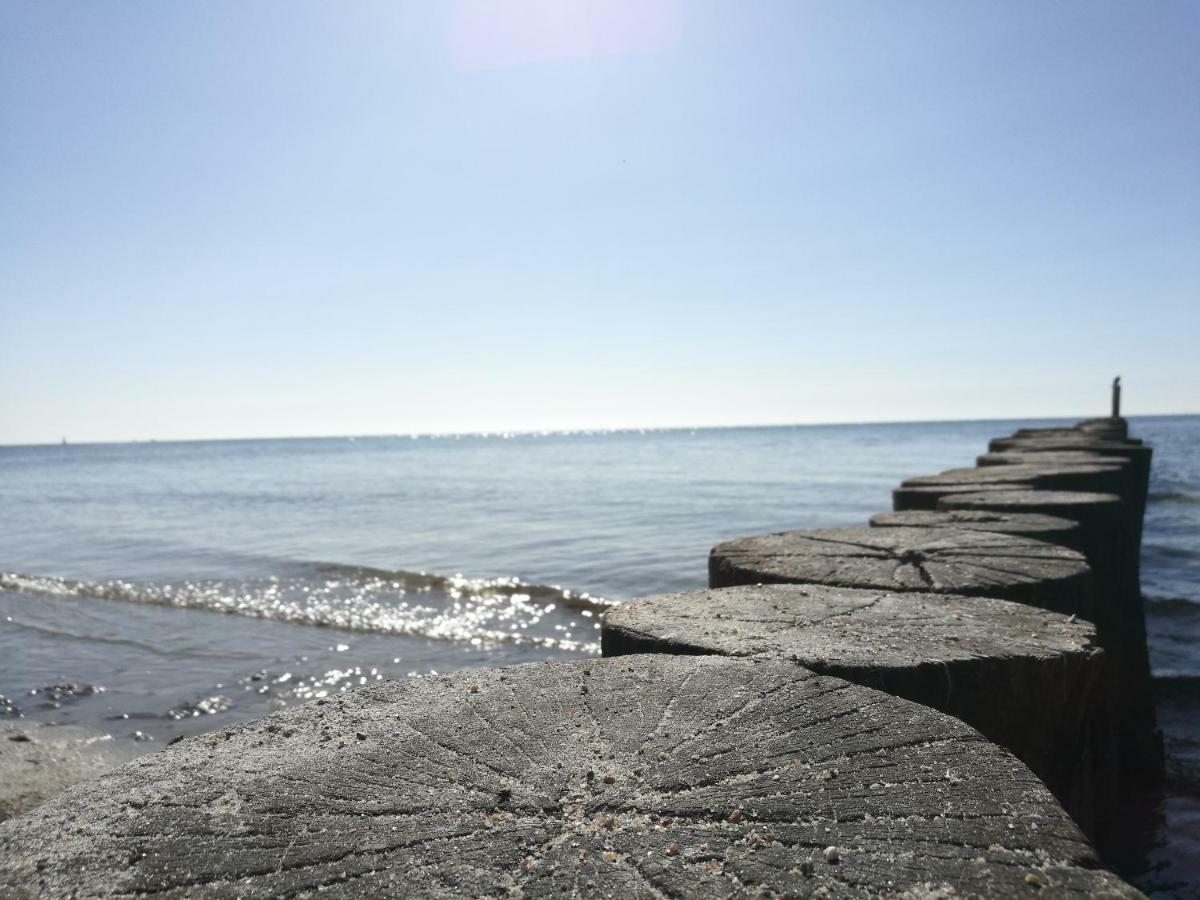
(238, 219)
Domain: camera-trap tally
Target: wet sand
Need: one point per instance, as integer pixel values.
(39, 761)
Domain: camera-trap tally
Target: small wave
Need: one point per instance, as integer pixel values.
(1177, 690)
(1172, 607)
(1165, 551)
(479, 612)
(460, 584)
(208, 706)
(53, 696)
(61, 634)
(1172, 497)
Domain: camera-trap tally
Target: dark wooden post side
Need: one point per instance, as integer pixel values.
(1119, 614)
(1138, 456)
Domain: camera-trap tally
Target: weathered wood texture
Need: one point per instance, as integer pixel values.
(1119, 614)
(1100, 538)
(935, 560)
(1059, 458)
(636, 777)
(1063, 442)
(1109, 427)
(924, 491)
(1115, 428)
(1054, 529)
(1131, 487)
(926, 497)
(1046, 432)
(1137, 455)
(975, 658)
(1098, 477)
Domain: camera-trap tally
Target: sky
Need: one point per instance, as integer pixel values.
(230, 219)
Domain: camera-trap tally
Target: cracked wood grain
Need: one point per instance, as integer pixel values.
(975, 658)
(946, 560)
(657, 805)
(1041, 527)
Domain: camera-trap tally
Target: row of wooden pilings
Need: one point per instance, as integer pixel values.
(881, 711)
(1048, 518)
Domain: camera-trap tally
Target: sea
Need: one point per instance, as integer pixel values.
(158, 589)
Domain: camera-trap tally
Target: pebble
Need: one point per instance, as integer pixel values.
(832, 855)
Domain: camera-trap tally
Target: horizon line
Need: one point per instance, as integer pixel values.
(547, 432)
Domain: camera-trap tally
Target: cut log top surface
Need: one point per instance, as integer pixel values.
(926, 496)
(1067, 504)
(1065, 431)
(1056, 458)
(635, 777)
(1034, 525)
(940, 560)
(835, 629)
(996, 485)
(1030, 473)
(1108, 425)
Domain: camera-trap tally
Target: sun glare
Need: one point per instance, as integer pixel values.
(492, 34)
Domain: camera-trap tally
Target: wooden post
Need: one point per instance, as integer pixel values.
(1053, 529)
(977, 659)
(633, 777)
(1098, 477)
(1131, 486)
(1119, 615)
(926, 497)
(929, 560)
(1138, 455)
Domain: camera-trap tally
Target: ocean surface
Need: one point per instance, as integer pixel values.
(157, 589)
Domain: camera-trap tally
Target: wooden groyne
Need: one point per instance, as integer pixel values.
(1082, 489)
(880, 711)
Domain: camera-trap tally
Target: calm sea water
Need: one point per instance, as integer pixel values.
(153, 590)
